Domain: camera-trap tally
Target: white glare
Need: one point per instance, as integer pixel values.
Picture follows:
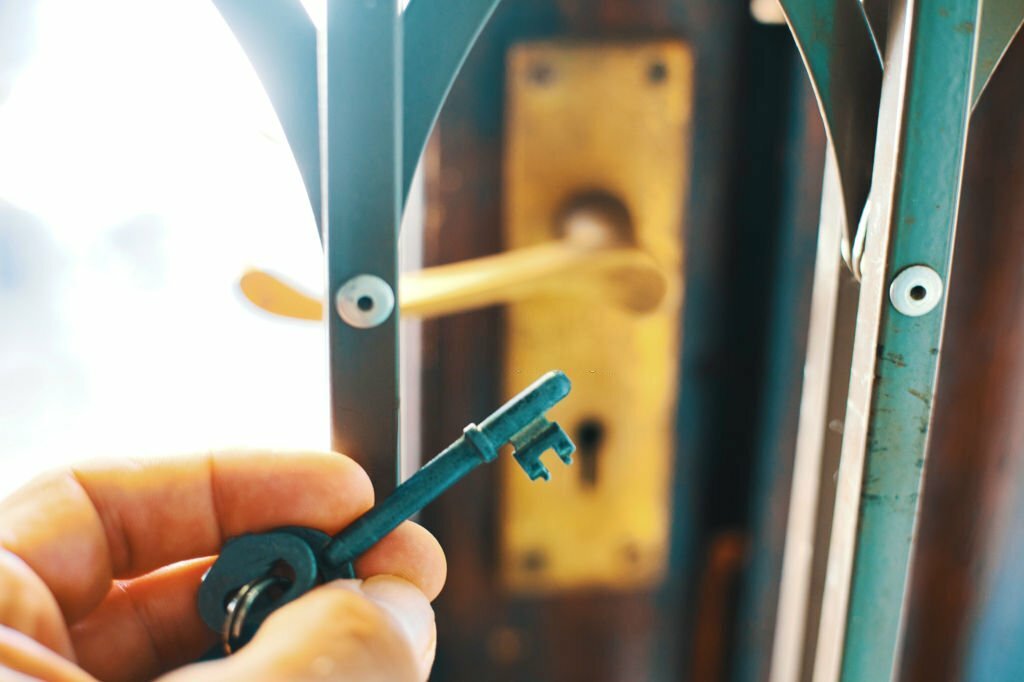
(141, 170)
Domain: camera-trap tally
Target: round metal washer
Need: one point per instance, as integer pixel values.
(916, 290)
(365, 301)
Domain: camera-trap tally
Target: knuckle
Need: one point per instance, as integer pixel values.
(342, 634)
(347, 621)
(359, 618)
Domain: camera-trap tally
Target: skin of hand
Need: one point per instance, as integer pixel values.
(100, 564)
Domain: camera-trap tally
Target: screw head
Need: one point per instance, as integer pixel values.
(365, 301)
(916, 290)
(657, 71)
(541, 74)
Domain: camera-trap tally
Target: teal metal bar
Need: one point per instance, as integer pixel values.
(839, 53)
(993, 650)
(438, 37)
(925, 107)
(361, 71)
(1000, 22)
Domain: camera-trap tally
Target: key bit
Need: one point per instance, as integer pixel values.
(536, 439)
(520, 421)
(246, 562)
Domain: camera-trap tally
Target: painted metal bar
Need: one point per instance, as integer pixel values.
(360, 73)
(838, 50)
(438, 37)
(1000, 22)
(280, 41)
(876, 13)
(925, 104)
(799, 552)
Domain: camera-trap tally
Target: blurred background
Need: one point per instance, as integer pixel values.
(143, 170)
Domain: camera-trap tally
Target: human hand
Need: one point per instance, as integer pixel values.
(100, 564)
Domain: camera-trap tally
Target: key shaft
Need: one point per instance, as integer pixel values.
(520, 421)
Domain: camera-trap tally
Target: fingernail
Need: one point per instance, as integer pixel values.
(409, 607)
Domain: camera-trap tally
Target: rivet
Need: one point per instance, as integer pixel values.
(916, 290)
(365, 301)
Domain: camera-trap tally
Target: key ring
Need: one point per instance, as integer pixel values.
(233, 634)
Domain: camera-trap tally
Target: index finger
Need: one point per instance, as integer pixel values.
(80, 529)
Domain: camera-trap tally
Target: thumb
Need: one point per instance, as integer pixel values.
(379, 629)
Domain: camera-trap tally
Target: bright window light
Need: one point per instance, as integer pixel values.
(142, 170)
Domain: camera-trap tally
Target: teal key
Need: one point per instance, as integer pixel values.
(247, 581)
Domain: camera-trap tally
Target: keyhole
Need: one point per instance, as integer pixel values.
(657, 72)
(589, 438)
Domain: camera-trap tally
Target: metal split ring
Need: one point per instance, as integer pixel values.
(234, 635)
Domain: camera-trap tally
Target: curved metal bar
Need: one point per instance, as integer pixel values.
(625, 275)
(1000, 22)
(838, 50)
(280, 42)
(876, 13)
(438, 36)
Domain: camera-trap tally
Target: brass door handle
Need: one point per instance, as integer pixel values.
(591, 260)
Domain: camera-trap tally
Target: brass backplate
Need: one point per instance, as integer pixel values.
(584, 118)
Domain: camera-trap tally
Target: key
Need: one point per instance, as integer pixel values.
(258, 573)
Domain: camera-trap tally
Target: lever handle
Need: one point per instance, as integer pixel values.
(593, 257)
